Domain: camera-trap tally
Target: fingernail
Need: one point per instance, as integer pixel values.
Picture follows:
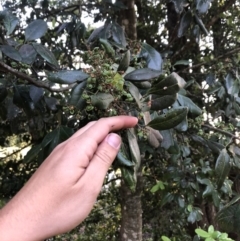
(114, 140)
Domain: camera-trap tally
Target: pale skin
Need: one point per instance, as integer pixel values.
(63, 190)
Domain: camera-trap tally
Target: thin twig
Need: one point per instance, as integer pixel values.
(221, 131)
(31, 80)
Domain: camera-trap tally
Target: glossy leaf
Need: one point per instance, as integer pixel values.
(222, 167)
(102, 101)
(178, 4)
(134, 147)
(67, 76)
(196, 33)
(123, 157)
(203, 6)
(168, 139)
(118, 35)
(11, 52)
(211, 79)
(168, 86)
(182, 62)
(32, 153)
(184, 23)
(129, 178)
(108, 47)
(76, 93)
(59, 135)
(124, 63)
(185, 101)
(35, 30)
(152, 57)
(201, 24)
(36, 93)
(162, 102)
(28, 53)
(46, 54)
(169, 120)
(10, 21)
(141, 75)
(96, 34)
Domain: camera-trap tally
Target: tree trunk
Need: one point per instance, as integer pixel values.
(131, 210)
(127, 18)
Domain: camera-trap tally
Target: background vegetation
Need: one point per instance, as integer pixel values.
(173, 64)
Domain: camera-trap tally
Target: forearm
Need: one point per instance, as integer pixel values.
(16, 223)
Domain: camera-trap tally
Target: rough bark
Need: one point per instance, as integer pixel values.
(131, 209)
(127, 18)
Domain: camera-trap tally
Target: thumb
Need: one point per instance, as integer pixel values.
(102, 159)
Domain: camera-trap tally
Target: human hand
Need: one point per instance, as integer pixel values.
(63, 190)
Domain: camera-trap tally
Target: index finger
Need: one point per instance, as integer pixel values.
(100, 129)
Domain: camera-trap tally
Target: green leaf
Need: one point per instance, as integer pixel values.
(118, 35)
(167, 139)
(200, 23)
(11, 52)
(124, 63)
(222, 167)
(202, 6)
(129, 177)
(179, 5)
(185, 101)
(67, 76)
(57, 136)
(32, 153)
(196, 33)
(123, 157)
(46, 54)
(76, 93)
(134, 147)
(169, 120)
(35, 30)
(152, 57)
(28, 53)
(168, 86)
(10, 21)
(162, 102)
(143, 74)
(182, 62)
(164, 238)
(108, 47)
(185, 23)
(102, 100)
(202, 233)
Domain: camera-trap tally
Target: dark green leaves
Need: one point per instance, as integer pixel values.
(169, 120)
(11, 52)
(202, 6)
(168, 86)
(10, 21)
(45, 54)
(50, 141)
(125, 61)
(222, 167)
(102, 100)
(185, 23)
(141, 75)
(151, 56)
(162, 102)
(28, 53)
(67, 76)
(35, 30)
(193, 108)
(76, 94)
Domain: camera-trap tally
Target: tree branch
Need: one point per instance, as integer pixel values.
(8, 69)
(221, 131)
(214, 60)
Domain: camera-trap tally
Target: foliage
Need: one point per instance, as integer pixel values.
(58, 74)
